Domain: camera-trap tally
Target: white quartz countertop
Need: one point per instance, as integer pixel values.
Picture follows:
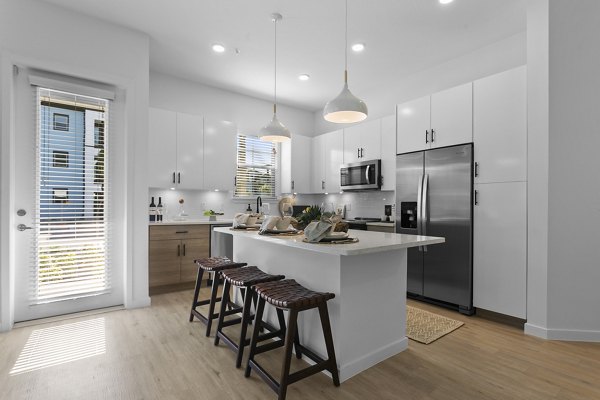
(368, 241)
(204, 221)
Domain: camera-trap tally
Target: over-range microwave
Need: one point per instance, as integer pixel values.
(363, 175)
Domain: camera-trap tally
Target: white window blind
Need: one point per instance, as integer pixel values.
(71, 246)
(256, 167)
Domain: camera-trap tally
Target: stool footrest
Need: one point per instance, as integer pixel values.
(265, 376)
(308, 371)
(269, 346)
(230, 322)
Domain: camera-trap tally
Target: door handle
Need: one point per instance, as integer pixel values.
(357, 153)
(476, 169)
(367, 174)
(432, 135)
(419, 208)
(173, 177)
(23, 227)
(426, 136)
(184, 249)
(361, 152)
(179, 177)
(425, 204)
(323, 185)
(292, 185)
(476, 197)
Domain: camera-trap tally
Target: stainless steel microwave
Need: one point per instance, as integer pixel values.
(364, 175)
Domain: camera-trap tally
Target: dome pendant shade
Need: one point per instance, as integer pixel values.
(275, 131)
(346, 108)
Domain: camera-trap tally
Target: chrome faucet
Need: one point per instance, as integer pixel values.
(258, 204)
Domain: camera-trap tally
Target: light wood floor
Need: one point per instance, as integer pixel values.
(154, 353)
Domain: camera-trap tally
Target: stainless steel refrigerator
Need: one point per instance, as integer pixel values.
(434, 190)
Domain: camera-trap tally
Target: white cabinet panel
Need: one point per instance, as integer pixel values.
(362, 142)
(334, 158)
(190, 151)
(388, 152)
(162, 148)
(318, 169)
(414, 121)
(499, 243)
(352, 144)
(500, 127)
(296, 165)
(452, 116)
(220, 161)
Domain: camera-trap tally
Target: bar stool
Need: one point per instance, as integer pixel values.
(244, 278)
(290, 295)
(216, 265)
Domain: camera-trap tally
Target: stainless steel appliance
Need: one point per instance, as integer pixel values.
(360, 223)
(363, 175)
(434, 190)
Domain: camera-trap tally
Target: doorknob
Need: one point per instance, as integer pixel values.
(23, 227)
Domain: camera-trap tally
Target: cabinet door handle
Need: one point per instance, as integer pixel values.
(178, 250)
(432, 136)
(358, 153)
(179, 177)
(426, 135)
(323, 185)
(181, 231)
(476, 169)
(476, 197)
(184, 249)
(293, 185)
(173, 177)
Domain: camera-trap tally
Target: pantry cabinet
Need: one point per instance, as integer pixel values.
(362, 142)
(500, 127)
(442, 119)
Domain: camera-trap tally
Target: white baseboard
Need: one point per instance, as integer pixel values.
(354, 367)
(138, 303)
(574, 335)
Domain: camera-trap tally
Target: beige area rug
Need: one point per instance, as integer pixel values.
(426, 327)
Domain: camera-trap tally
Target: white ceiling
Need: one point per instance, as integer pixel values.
(402, 37)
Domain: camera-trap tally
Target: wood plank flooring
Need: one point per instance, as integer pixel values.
(155, 353)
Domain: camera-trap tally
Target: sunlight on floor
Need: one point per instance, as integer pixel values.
(61, 344)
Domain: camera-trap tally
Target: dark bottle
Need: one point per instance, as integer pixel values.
(152, 211)
(159, 210)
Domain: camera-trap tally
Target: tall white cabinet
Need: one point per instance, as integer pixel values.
(388, 153)
(500, 212)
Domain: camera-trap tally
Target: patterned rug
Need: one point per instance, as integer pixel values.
(426, 327)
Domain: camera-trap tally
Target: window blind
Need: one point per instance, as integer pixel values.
(72, 231)
(256, 167)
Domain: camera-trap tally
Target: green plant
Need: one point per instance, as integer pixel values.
(309, 214)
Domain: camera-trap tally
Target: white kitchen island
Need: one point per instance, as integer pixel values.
(368, 278)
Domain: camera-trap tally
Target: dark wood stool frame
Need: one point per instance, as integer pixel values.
(247, 318)
(292, 340)
(233, 308)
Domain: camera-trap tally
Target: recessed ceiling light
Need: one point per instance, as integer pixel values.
(358, 47)
(445, 1)
(304, 77)
(218, 48)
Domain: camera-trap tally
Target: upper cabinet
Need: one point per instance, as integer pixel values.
(442, 119)
(220, 154)
(388, 153)
(362, 142)
(296, 165)
(188, 152)
(500, 127)
(327, 157)
(319, 170)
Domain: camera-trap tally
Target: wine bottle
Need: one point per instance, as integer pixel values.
(152, 210)
(159, 210)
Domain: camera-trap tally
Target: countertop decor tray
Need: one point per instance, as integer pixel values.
(287, 232)
(334, 241)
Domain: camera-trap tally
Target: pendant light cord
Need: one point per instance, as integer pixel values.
(346, 48)
(275, 84)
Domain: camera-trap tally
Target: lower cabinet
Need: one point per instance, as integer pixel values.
(379, 228)
(500, 248)
(172, 251)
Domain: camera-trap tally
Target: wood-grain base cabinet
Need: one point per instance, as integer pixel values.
(172, 251)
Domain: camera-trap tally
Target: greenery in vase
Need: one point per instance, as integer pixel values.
(312, 213)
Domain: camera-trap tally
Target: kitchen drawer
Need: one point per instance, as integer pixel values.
(167, 232)
(379, 228)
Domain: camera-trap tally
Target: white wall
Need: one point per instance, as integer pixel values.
(497, 57)
(39, 35)
(570, 120)
(249, 113)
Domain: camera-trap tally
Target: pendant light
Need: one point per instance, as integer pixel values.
(346, 107)
(275, 131)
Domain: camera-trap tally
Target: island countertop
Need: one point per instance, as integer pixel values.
(204, 221)
(368, 241)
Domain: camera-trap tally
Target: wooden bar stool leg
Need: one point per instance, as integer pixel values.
(290, 337)
(196, 291)
(224, 302)
(244, 327)
(211, 304)
(324, 314)
(282, 325)
(297, 344)
(255, 332)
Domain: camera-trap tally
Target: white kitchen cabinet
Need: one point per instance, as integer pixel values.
(442, 119)
(334, 158)
(318, 168)
(452, 116)
(296, 165)
(362, 142)
(162, 148)
(190, 152)
(388, 153)
(500, 127)
(220, 154)
(413, 124)
(500, 248)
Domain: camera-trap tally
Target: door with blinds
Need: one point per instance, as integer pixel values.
(62, 191)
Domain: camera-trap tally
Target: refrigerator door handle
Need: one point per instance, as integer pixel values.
(425, 206)
(419, 208)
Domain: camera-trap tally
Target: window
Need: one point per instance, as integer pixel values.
(60, 122)
(60, 159)
(60, 196)
(256, 167)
